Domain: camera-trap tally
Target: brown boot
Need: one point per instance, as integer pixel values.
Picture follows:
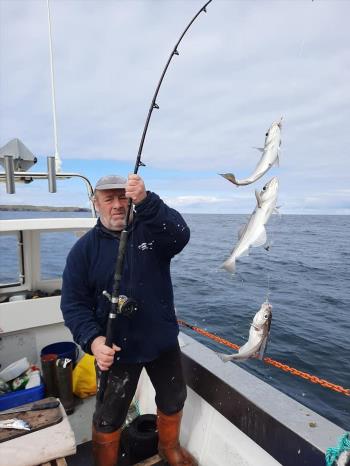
(105, 447)
(169, 446)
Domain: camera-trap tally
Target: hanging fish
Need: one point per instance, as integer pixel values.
(253, 234)
(270, 156)
(258, 335)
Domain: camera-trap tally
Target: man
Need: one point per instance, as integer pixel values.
(147, 338)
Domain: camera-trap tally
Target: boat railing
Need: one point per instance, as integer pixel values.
(27, 177)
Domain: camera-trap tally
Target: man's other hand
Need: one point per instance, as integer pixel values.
(104, 354)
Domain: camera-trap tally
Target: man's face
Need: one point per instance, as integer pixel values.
(112, 207)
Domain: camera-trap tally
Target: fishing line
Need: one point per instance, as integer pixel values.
(268, 288)
(269, 263)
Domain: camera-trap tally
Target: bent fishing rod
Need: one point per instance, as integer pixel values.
(121, 304)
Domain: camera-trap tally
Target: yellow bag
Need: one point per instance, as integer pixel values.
(84, 377)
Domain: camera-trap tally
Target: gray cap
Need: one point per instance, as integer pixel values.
(111, 182)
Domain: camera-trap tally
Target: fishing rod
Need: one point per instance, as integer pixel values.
(121, 304)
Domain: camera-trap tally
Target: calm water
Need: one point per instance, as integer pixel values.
(305, 272)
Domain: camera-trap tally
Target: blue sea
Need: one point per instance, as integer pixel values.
(305, 274)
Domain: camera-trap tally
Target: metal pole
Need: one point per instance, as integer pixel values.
(51, 173)
(9, 171)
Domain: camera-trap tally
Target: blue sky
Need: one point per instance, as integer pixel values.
(242, 66)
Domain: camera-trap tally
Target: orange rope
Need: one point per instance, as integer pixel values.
(272, 362)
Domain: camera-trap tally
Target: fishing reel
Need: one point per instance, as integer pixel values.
(125, 306)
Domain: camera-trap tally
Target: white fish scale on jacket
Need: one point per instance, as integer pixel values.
(253, 233)
(258, 336)
(270, 153)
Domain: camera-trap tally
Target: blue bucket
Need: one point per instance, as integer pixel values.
(63, 349)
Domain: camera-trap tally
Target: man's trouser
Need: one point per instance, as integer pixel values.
(167, 379)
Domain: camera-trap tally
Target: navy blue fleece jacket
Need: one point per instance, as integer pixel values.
(157, 233)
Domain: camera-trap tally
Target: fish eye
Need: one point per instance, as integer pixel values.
(267, 134)
(266, 316)
(264, 188)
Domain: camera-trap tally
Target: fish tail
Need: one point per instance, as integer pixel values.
(230, 177)
(229, 265)
(225, 357)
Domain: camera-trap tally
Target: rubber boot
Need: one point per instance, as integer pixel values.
(169, 446)
(105, 447)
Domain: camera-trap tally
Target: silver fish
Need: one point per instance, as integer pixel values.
(258, 336)
(15, 424)
(253, 234)
(270, 156)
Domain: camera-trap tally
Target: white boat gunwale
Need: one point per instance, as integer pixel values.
(287, 430)
(46, 224)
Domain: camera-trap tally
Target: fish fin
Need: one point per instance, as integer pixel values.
(230, 177)
(277, 161)
(258, 200)
(276, 210)
(260, 149)
(268, 245)
(241, 230)
(225, 357)
(261, 239)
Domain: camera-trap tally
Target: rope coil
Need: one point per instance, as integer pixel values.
(304, 375)
(333, 453)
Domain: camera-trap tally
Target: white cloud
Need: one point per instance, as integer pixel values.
(183, 201)
(240, 67)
